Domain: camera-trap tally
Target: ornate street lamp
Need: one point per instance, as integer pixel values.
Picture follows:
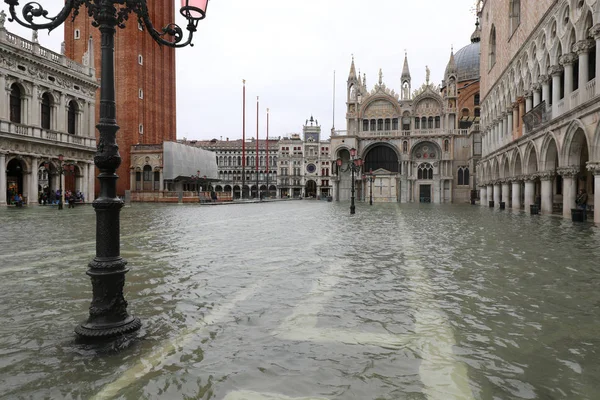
(354, 164)
(108, 310)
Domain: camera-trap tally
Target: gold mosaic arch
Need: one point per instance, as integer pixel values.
(380, 107)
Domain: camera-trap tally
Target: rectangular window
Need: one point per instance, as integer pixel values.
(141, 93)
(140, 59)
(141, 129)
(77, 34)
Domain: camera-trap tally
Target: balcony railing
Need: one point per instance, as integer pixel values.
(7, 127)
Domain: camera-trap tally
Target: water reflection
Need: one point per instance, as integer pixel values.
(301, 300)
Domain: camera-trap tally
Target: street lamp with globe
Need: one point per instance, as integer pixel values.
(354, 164)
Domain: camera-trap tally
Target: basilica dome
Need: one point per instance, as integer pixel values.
(467, 62)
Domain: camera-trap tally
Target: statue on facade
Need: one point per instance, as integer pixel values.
(2, 18)
(380, 76)
(34, 36)
(63, 48)
(427, 73)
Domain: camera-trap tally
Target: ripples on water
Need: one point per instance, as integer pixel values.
(301, 299)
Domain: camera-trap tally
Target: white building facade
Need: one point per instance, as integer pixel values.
(47, 110)
(540, 104)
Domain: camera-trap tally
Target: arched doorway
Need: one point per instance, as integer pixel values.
(425, 173)
(311, 189)
(381, 156)
(14, 179)
(381, 160)
(578, 156)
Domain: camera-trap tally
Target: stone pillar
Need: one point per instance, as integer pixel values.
(529, 192)
(528, 101)
(161, 184)
(516, 195)
(595, 32)
(490, 193)
(582, 48)
(547, 179)
(33, 187)
(569, 188)
(566, 61)
(483, 196)
(594, 167)
(3, 183)
(92, 183)
(509, 118)
(555, 71)
(497, 194)
(545, 80)
(505, 193)
(537, 94)
(502, 127)
(132, 179)
(61, 114)
(515, 118)
(336, 194)
(3, 95)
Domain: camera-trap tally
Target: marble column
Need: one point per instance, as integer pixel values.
(566, 61)
(497, 194)
(582, 48)
(594, 167)
(528, 101)
(516, 195)
(509, 117)
(490, 193)
(483, 196)
(545, 81)
(529, 192)
(555, 71)
(537, 94)
(3, 182)
(33, 187)
(162, 183)
(595, 32)
(3, 95)
(569, 188)
(505, 193)
(547, 179)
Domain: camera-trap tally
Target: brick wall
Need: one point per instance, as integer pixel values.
(156, 77)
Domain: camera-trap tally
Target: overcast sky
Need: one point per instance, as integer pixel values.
(287, 51)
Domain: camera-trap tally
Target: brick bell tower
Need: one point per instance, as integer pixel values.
(144, 80)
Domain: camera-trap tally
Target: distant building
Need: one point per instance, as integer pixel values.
(258, 175)
(541, 131)
(47, 111)
(420, 146)
(304, 165)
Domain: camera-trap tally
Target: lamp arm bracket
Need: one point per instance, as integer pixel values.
(34, 9)
(172, 30)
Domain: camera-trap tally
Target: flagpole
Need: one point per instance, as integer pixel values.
(244, 141)
(256, 160)
(267, 156)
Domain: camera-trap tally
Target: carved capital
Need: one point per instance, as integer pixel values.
(593, 167)
(595, 31)
(530, 177)
(546, 175)
(544, 79)
(568, 172)
(555, 70)
(528, 93)
(584, 46)
(567, 59)
(536, 87)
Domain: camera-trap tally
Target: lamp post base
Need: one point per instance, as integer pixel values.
(352, 209)
(92, 330)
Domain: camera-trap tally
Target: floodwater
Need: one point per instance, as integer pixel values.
(300, 300)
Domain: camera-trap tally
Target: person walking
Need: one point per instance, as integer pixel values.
(581, 199)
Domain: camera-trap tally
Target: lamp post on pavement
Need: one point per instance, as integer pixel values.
(108, 315)
(354, 164)
(371, 180)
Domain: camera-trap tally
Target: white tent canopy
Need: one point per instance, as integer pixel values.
(182, 161)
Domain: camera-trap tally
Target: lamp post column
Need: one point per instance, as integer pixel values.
(352, 207)
(108, 310)
(3, 178)
(371, 179)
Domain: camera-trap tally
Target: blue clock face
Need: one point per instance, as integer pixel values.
(311, 168)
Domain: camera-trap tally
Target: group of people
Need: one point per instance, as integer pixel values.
(53, 197)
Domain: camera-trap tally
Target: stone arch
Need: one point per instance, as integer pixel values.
(371, 102)
(415, 145)
(381, 155)
(517, 168)
(495, 169)
(595, 150)
(504, 167)
(27, 168)
(549, 159)
(531, 158)
(585, 24)
(576, 141)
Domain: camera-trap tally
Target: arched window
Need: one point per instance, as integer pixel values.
(425, 171)
(430, 123)
(239, 161)
(437, 122)
(446, 145)
(395, 124)
(463, 176)
(388, 125)
(492, 53)
(156, 180)
(45, 114)
(380, 124)
(373, 125)
(405, 147)
(72, 117)
(15, 103)
(476, 99)
(477, 112)
(514, 15)
(417, 123)
(423, 123)
(365, 125)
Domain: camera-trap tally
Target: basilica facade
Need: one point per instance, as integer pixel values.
(540, 108)
(415, 146)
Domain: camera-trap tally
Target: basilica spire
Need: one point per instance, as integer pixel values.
(405, 70)
(405, 79)
(352, 75)
(451, 68)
